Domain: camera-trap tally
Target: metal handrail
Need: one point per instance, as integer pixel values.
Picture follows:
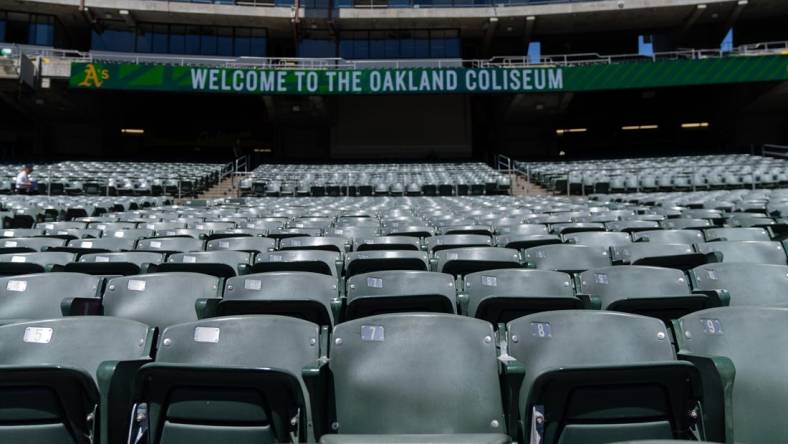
(561, 60)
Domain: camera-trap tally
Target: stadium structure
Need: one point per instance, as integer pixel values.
(393, 221)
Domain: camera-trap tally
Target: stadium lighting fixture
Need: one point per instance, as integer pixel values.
(639, 127)
(135, 131)
(563, 131)
(695, 125)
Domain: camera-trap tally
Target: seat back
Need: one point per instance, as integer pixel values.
(242, 243)
(181, 244)
(757, 252)
(394, 291)
(459, 261)
(502, 295)
(599, 238)
(567, 258)
(453, 356)
(746, 284)
(299, 294)
(670, 236)
(39, 296)
(159, 299)
(751, 338)
(315, 261)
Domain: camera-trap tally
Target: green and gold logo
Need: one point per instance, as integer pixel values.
(94, 77)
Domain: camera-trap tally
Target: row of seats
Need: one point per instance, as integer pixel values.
(663, 173)
(117, 178)
(569, 376)
(168, 297)
(438, 179)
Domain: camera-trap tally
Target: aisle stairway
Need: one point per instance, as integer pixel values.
(225, 188)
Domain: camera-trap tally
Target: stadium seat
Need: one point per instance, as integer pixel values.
(670, 236)
(743, 283)
(596, 376)
(239, 379)
(456, 362)
(162, 299)
(251, 244)
(460, 261)
(29, 263)
(523, 241)
(566, 258)
(736, 234)
(598, 238)
(447, 241)
(632, 226)
(317, 261)
(105, 243)
(738, 351)
(63, 380)
(397, 291)
(325, 243)
(754, 252)
(310, 296)
(123, 263)
(47, 295)
(681, 256)
(499, 296)
(170, 244)
(663, 293)
(29, 244)
(220, 263)
(379, 260)
(388, 243)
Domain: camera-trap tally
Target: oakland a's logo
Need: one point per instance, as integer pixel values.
(94, 77)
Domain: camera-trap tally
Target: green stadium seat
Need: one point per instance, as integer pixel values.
(241, 380)
(380, 260)
(47, 295)
(105, 243)
(596, 376)
(460, 261)
(162, 299)
(397, 291)
(220, 263)
(451, 366)
(737, 234)
(388, 243)
(669, 236)
(566, 258)
(681, 256)
(663, 293)
(325, 243)
(743, 283)
(499, 296)
(170, 244)
(598, 238)
(63, 380)
(739, 351)
(754, 252)
(447, 241)
(316, 261)
(523, 241)
(301, 294)
(124, 263)
(29, 263)
(251, 244)
(29, 244)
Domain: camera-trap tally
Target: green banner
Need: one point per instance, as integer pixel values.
(642, 74)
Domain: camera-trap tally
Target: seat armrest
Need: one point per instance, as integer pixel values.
(462, 303)
(115, 381)
(718, 374)
(206, 307)
(512, 374)
(590, 302)
(80, 306)
(716, 298)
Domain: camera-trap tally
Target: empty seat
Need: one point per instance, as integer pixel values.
(662, 293)
(743, 283)
(379, 260)
(47, 295)
(399, 291)
(576, 227)
(745, 342)
(408, 230)
(221, 263)
(599, 238)
(670, 236)
(566, 258)
(388, 243)
(28, 263)
(681, 256)
(317, 261)
(105, 243)
(523, 229)
(523, 241)
(251, 244)
(29, 244)
(170, 244)
(737, 234)
(595, 377)
(686, 223)
(632, 226)
(499, 296)
(56, 375)
(125, 263)
(443, 242)
(455, 360)
(240, 379)
(485, 230)
(459, 261)
(162, 299)
(326, 243)
(756, 252)
(305, 295)
(134, 234)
